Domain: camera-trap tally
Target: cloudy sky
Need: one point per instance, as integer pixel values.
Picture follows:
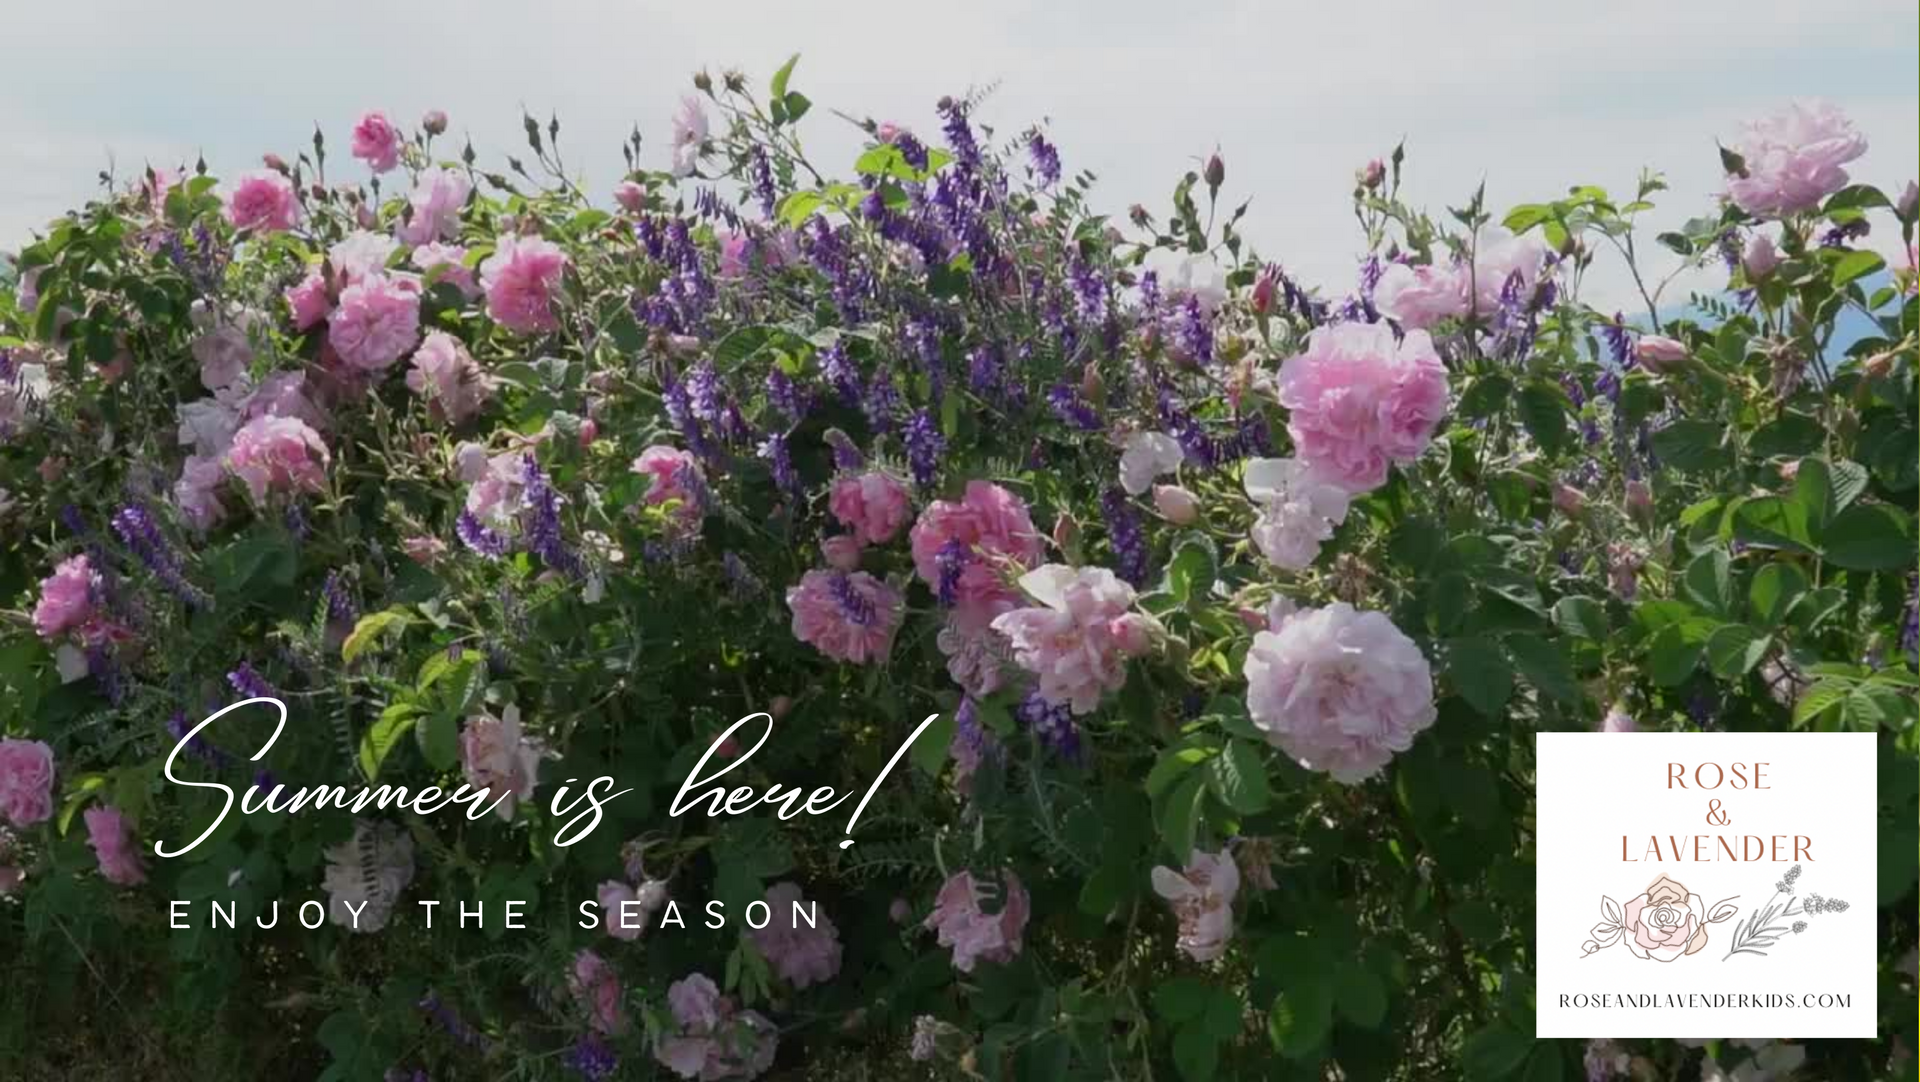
(1530, 96)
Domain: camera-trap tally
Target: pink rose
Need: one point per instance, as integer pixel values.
(1339, 690)
(520, 278)
(1794, 159)
(376, 322)
(360, 255)
(263, 201)
(621, 912)
(974, 934)
(309, 302)
(448, 376)
(596, 988)
(980, 544)
(847, 616)
(497, 755)
(1618, 721)
(66, 598)
(453, 260)
(874, 505)
(1070, 640)
(1417, 297)
(26, 782)
(439, 195)
(1665, 922)
(1501, 259)
(1760, 259)
(424, 550)
(631, 195)
(1359, 400)
(377, 142)
(278, 454)
(197, 492)
(1176, 504)
(434, 121)
(112, 841)
(675, 475)
(1202, 896)
(689, 135)
(1569, 500)
(736, 250)
(800, 953)
(1658, 352)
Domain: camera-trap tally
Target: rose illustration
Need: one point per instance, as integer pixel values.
(1665, 922)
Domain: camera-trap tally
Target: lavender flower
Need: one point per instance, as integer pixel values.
(966, 152)
(840, 371)
(846, 456)
(912, 150)
(762, 172)
(250, 684)
(925, 445)
(1619, 343)
(859, 611)
(951, 561)
(1051, 723)
(780, 461)
(785, 395)
(478, 538)
(543, 522)
(1073, 412)
(1046, 159)
(592, 1059)
(882, 401)
(141, 534)
(1124, 533)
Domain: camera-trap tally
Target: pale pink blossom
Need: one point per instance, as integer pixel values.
(849, 616)
(1147, 456)
(112, 840)
(424, 549)
(263, 201)
(309, 302)
(448, 376)
(1794, 159)
(361, 254)
(438, 197)
(1298, 510)
(376, 322)
(1618, 721)
(376, 141)
(452, 261)
(1078, 640)
(1499, 258)
(521, 278)
(977, 655)
(1417, 297)
(1658, 352)
(283, 394)
(1202, 897)
(874, 505)
(496, 754)
(596, 988)
(626, 911)
(224, 345)
(1359, 401)
(1177, 505)
(1339, 690)
(197, 492)
(800, 953)
(673, 475)
(689, 135)
(711, 1039)
(974, 934)
(1568, 500)
(67, 598)
(1760, 259)
(736, 251)
(26, 781)
(631, 195)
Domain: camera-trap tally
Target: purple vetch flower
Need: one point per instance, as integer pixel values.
(780, 461)
(966, 152)
(846, 456)
(1089, 290)
(543, 532)
(1051, 723)
(912, 150)
(1839, 235)
(761, 170)
(882, 402)
(1194, 330)
(104, 667)
(858, 610)
(1072, 411)
(592, 1059)
(342, 612)
(1619, 343)
(250, 684)
(1125, 535)
(742, 583)
(951, 562)
(141, 533)
(197, 746)
(1046, 159)
(296, 522)
(785, 395)
(838, 369)
(925, 445)
(1910, 626)
(925, 340)
(478, 538)
(680, 411)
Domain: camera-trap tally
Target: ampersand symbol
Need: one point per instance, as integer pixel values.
(1713, 806)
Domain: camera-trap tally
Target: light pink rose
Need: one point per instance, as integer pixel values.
(520, 278)
(1760, 259)
(800, 954)
(596, 988)
(1202, 896)
(874, 505)
(1794, 159)
(1665, 922)
(67, 598)
(1658, 352)
(1359, 401)
(1298, 510)
(278, 454)
(112, 840)
(711, 1039)
(223, 346)
(360, 255)
(736, 250)
(448, 376)
(496, 754)
(972, 933)
(1147, 456)
(847, 616)
(1339, 690)
(631, 195)
(1618, 721)
(1499, 257)
(263, 201)
(438, 197)
(1176, 504)
(1078, 639)
(376, 141)
(26, 782)
(992, 530)
(376, 322)
(283, 394)
(197, 492)
(1417, 297)
(671, 471)
(888, 131)
(622, 912)
(309, 302)
(689, 135)
(453, 259)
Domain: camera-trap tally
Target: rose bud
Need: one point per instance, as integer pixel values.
(1639, 499)
(365, 215)
(1790, 471)
(1264, 287)
(888, 131)
(1908, 202)
(900, 912)
(1371, 175)
(1658, 352)
(275, 162)
(435, 122)
(1176, 504)
(1135, 633)
(780, 707)
(703, 82)
(589, 431)
(1569, 500)
(1092, 387)
(1760, 259)
(842, 551)
(1065, 532)
(1138, 214)
(631, 195)
(1216, 170)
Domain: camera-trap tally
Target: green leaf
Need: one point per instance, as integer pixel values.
(797, 105)
(1180, 820)
(1224, 1011)
(1495, 1052)
(778, 87)
(1302, 1014)
(1181, 999)
(1196, 1055)
(1734, 649)
(1543, 409)
(1773, 522)
(1813, 490)
(1855, 265)
(1359, 995)
(1709, 581)
(929, 752)
(1870, 537)
(1673, 653)
(369, 629)
(1447, 600)
(1481, 673)
(1190, 573)
(1176, 761)
(439, 739)
(1691, 446)
(383, 735)
(1774, 590)
(1874, 706)
(1792, 434)
(1817, 699)
(1239, 778)
(1581, 616)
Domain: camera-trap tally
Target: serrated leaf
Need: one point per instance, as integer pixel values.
(1773, 592)
(1672, 654)
(1734, 650)
(1481, 673)
(1581, 616)
(1817, 699)
(1709, 581)
(1180, 820)
(1174, 763)
(1870, 537)
(1544, 663)
(383, 735)
(1239, 778)
(369, 629)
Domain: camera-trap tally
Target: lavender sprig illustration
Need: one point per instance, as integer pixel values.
(1760, 929)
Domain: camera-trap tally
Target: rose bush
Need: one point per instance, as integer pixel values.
(1239, 601)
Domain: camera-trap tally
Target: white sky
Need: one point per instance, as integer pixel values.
(1532, 95)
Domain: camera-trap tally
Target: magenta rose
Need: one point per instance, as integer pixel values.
(1665, 922)
(26, 782)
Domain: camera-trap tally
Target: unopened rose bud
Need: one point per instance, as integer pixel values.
(319, 192)
(631, 196)
(842, 551)
(1618, 721)
(435, 122)
(1879, 364)
(1760, 259)
(52, 469)
(1254, 619)
(1138, 214)
(651, 895)
(703, 82)
(1065, 532)
(1371, 175)
(888, 131)
(364, 214)
(1639, 499)
(1216, 170)
(1092, 387)
(1135, 633)
(589, 431)
(1658, 352)
(900, 912)
(1908, 202)
(1568, 500)
(276, 163)
(780, 707)
(1264, 289)
(1176, 504)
